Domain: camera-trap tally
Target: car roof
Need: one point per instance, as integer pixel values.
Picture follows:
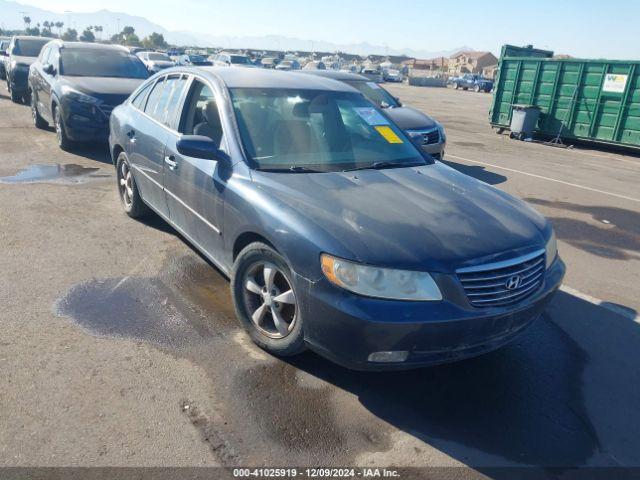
(337, 75)
(31, 37)
(259, 78)
(91, 46)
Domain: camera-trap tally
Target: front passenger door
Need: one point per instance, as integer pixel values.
(193, 186)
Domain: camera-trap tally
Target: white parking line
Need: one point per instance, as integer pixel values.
(611, 194)
(623, 312)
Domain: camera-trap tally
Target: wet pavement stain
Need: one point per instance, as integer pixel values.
(187, 303)
(59, 173)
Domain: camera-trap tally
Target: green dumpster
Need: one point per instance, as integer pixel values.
(589, 100)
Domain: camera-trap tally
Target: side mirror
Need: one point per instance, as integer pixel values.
(198, 146)
(397, 99)
(48, 69)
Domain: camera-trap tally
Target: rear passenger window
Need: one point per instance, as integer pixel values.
(174, 104)
(138, 101)
(159, 98)
(155, 97)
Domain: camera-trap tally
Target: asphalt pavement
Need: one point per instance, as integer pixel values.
(119, 346)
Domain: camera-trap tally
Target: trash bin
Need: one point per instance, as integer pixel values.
(523, 121)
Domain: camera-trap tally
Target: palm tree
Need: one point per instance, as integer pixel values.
(59, 26)
(27, 22)
(98, 30)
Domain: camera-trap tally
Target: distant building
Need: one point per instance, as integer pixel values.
(490, 72)
(470, 62)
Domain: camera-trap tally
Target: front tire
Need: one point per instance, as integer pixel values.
(131, 200)
(476, 89)
(38, 121)
(15, 98)
(61, 133)
(265, 300)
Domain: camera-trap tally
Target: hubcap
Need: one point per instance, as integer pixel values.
(125, 183)
(270, 300)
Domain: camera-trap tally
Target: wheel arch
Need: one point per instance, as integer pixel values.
(247, 238)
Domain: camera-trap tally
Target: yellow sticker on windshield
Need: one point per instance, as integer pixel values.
(388, 134)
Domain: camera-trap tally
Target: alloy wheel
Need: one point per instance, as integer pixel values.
(270, 300)
(125, 184)
(58, 125)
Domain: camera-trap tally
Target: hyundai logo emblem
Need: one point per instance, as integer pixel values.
(513, 282)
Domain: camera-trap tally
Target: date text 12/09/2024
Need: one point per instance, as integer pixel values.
(315, 473)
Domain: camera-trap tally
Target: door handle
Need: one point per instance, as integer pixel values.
(170, 160)
(132, 135)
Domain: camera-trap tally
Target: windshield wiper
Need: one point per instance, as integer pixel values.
(383, 165)
(292, 168)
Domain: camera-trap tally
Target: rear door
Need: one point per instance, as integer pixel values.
(147, 136)
(193, 186)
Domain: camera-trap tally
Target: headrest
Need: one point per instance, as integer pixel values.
(210, 113)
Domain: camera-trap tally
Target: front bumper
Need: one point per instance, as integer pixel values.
(81, 126)
(347, 328)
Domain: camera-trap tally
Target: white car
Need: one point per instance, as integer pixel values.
(155, 61)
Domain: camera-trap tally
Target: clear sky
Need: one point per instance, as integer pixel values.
(588, 28)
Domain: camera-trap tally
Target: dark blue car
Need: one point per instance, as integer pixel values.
(337, 232)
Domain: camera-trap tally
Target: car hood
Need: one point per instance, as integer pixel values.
(408, 118)
(425, 218)
(110, 90)
(23, 60)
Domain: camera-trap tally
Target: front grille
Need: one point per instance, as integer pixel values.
(107, 109)
(429, 137)
(503, 283)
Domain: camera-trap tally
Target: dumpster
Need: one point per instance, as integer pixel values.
(523, 121)
(526, 51)
(587, 100)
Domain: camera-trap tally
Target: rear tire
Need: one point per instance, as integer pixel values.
(476, 89)
(132, 203)
(265, 300)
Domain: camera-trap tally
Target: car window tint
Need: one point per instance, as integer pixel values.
(317, 129)
(54, 58)
(200, 114)
(28, 47)
(178, 85)
(140, 98)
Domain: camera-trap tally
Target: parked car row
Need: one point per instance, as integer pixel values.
(339, 232)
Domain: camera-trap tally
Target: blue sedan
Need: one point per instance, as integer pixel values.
(338, 233)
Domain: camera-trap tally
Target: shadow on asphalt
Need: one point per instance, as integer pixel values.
(617, 235)
(478, 172)
(97, 152)
(530, 403)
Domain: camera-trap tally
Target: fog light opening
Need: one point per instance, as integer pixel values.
(388, 357)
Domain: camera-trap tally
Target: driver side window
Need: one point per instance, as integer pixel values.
(200, 115)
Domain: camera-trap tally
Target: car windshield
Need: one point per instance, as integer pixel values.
(239, 60)
(196, 58)
(310, 130)
(28, 48)
(159, 56)
(82, 62)
(374, 92)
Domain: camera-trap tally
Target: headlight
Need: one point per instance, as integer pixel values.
(551, 249)
(443, 136)
(380, 282)
(76, 96)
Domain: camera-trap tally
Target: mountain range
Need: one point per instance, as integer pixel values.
(12, 13)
